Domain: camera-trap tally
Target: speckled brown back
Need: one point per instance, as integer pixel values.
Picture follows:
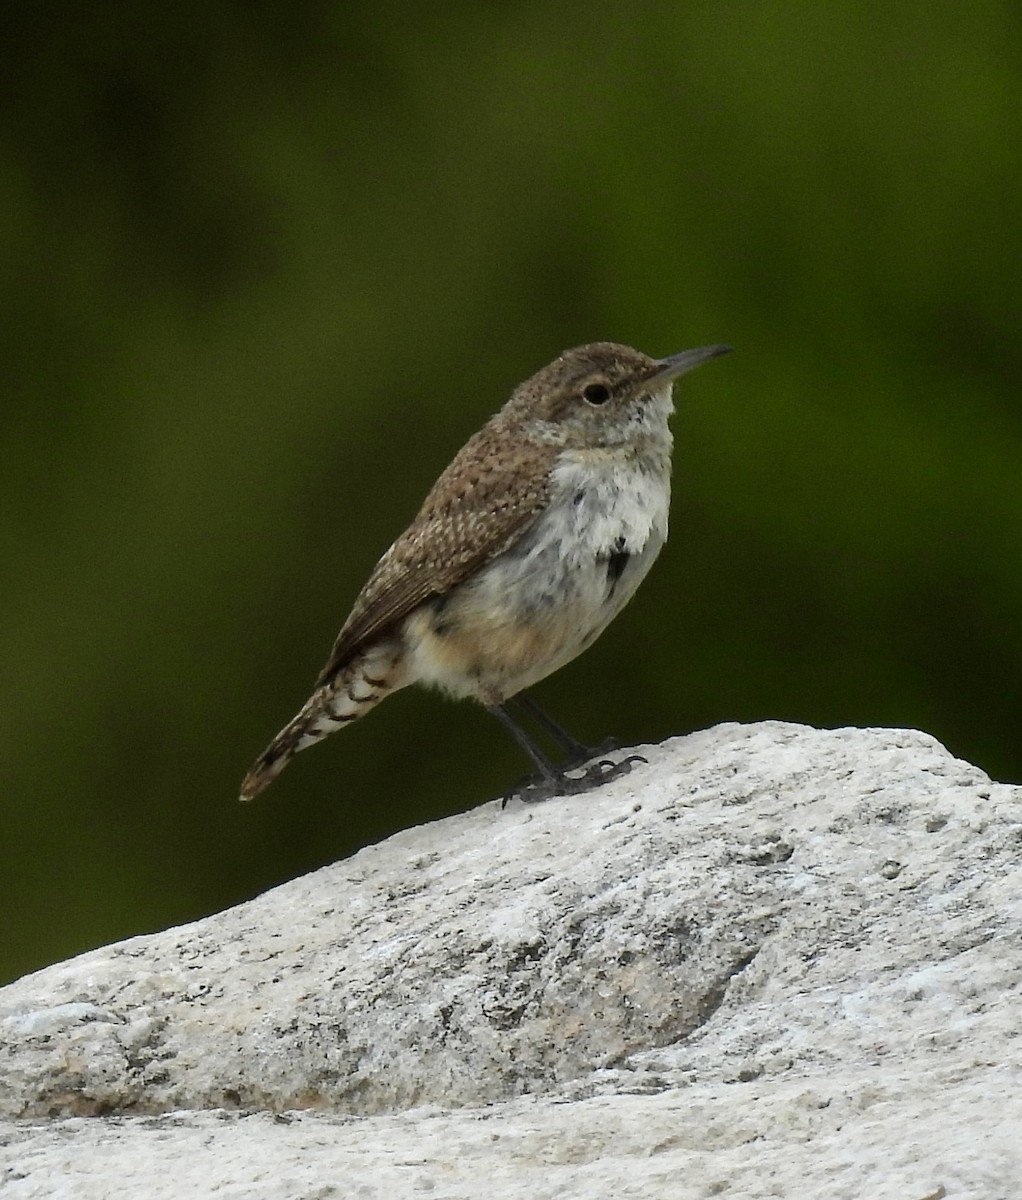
(479, 506)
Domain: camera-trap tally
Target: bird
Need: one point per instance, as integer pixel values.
(527, 546)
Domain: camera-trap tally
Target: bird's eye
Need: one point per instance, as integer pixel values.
(596, 393)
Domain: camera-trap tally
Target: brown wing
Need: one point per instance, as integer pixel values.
(477, 508)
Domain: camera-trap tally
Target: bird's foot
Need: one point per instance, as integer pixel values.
(545, 787)
(580, 754)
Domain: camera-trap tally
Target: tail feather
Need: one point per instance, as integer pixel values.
(354, 691)
(307, 728)
(266, 768)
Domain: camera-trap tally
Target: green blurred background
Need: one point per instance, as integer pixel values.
(266, 267)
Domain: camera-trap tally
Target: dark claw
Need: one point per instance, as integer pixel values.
(538, 787)
(606, 769)
(529, 786)
(588, 753)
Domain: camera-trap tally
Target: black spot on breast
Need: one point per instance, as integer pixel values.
(617, 560)
(578, 498)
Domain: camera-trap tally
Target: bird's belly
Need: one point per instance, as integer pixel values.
(534, 608)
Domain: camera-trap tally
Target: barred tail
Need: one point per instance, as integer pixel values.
(357, 688)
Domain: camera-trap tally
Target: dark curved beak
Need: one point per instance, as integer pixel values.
(679, 364)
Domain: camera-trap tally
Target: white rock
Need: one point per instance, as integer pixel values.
(775, 962)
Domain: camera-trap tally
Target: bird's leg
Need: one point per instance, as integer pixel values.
(577, 752)
(546, 767)
(551, 780)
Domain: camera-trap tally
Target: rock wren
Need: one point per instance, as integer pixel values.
(528, 545)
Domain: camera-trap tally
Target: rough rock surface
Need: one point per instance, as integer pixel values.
(775, 962)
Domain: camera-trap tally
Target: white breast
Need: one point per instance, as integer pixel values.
(538, 605)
